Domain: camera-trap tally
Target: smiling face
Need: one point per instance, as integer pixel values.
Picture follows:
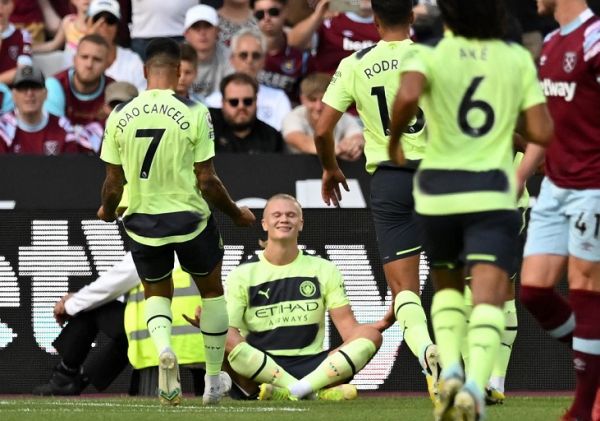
(282, 219)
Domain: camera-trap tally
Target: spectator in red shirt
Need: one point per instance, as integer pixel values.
(284, 65)
(78, 92)
(31, 130)
(16, 44)
(338, 35)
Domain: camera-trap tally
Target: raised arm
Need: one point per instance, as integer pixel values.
(300, 35)
(217, 195)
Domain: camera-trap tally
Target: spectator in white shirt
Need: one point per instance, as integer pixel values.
(248, 49)
(299, 125)
(123, 64)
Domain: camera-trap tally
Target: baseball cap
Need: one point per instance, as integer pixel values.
(29, 74)
(99, 6)
(119, 91)
(198, 13)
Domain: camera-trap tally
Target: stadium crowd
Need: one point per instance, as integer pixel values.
(282, 76)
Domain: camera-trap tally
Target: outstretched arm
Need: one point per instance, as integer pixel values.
(217, 195)
(325, 144)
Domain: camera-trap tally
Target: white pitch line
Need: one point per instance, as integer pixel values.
(152, 407)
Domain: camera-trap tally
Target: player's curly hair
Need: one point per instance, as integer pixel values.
(481, 19)
(393, 12)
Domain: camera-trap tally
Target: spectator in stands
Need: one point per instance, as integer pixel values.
(29, 129)
(78, 92)
(248, 56)
(299, 125)
(189, 70)
(338, 36)
(123, 64)
(15, 44)
(157, 18)
(116, 93)
(235, 16)
(73, 27)
(6, 102)
(428, 23)
(202, 33)
(284, 65)
(28, 15)
(236, 127)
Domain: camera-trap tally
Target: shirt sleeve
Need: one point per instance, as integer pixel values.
(110, 148)
(204, 147)
(338, 94)
(24, 58)
(416, 59)
(237, 300)
(55, 101)
(293, 122)
(532, 92)
(335, 294)
(349, 126)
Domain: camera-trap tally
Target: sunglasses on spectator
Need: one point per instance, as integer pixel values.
(271, 11)
(109, 18)
(256, 55)
(234, 102)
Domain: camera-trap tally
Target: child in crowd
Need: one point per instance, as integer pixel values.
(71, 30)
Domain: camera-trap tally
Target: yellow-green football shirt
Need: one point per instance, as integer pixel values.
(157, 137)
(281, 309)
(370, 78)
(475, 91)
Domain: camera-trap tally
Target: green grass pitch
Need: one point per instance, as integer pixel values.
(365, 408)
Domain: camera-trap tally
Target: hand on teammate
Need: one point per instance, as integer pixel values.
(330, 186)
(387, 321)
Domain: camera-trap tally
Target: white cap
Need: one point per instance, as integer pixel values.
(198, 13)
(99, 6)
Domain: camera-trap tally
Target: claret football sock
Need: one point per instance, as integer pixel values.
(551, 311)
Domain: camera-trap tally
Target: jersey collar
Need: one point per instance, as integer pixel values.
(579, 20)
(10, 29)
(86, 97)
(359, 19)
(32, 128)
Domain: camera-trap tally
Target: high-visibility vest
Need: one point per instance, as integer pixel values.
(186, 340)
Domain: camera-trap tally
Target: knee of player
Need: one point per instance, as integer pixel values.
(234, 338)
(371, 334)
(585, 276)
